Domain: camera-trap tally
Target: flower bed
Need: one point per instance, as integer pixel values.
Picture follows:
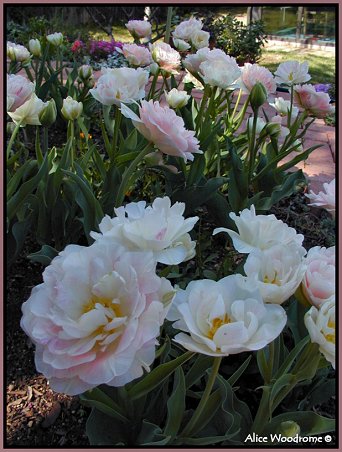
(135, 313)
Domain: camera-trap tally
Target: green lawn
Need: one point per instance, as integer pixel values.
(321, 63)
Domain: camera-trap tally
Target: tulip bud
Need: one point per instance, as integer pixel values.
(181, 45)
(85, 72)
(176, 98)
(258, 96)
(10, 128)
(55, 39)
(154, 68)
(35, 47)
(289, 429)
(71, 108)
(90, 83)
(48, 115)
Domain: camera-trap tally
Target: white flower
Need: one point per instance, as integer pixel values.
(95, 318)
(28, 112)
(200, 39)
(325, 199)
(35, 47)
(55, 39)
(71, 108)
(283, 107)
(319, 280)
(214, 67)
(120, 85)
(292, 72)
(177, 98)
(224, 317)
(277, 271)
(186, 29)
(259, 231)
(17, 52)
(160, 228)
(321, 326)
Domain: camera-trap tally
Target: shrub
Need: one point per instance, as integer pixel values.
(243, 42)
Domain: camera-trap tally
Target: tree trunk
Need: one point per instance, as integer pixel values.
(299, 21)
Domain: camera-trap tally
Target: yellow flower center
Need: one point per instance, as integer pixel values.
(216, 323)
(276, 281)
(105, 302)
(330, 337)
(291, 76)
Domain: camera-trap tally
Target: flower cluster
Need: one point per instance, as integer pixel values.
(97, 314)
(189, 33)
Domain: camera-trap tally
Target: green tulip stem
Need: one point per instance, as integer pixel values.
(236, 103)
(153, 85)
(202, 107)
(197, 414)
(263, 414)
(212, 99)
(124, 185)
(11, 141)
(117, 122)
(168, 24)
(251, 146)
(166, 83)
(290, 111)
(71, 137)
(108, 122)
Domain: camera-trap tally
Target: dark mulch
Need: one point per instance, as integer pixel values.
(35, 415)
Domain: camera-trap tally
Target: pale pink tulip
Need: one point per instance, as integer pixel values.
(19, 90)
(139, 28)
(314, 103)
(252, 74)
(319, 280)
(95, 318)
(161, 126)
(167, 58)
(137, 55)
(325, 199)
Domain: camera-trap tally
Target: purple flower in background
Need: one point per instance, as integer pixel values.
(103, 48)
(322, 87)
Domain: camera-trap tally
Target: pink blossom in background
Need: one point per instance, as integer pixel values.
(167, 58)
(139, 28)
(253, 73)
(165, 129)
(315, 103)
(325, 199)
(137, 55)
